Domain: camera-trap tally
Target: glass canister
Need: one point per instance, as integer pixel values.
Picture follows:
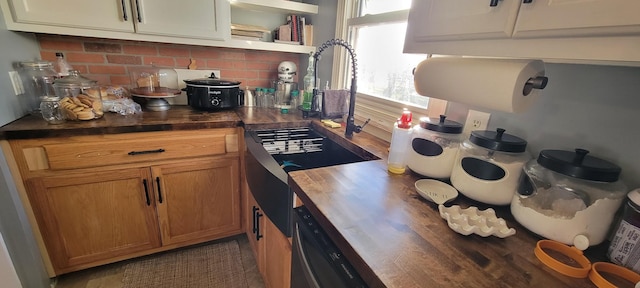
(80, 97)
(50, 108)
(488, 166)
(569, 197)
(434, 146)
(34, 75)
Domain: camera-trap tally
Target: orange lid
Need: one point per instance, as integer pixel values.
(571, 252)
(614, 269)
(586, 268)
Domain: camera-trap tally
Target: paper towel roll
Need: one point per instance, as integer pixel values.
(489, 83)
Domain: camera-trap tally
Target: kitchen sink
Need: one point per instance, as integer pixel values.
(271, 154)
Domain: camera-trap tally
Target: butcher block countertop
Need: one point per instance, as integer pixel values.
(392, 236)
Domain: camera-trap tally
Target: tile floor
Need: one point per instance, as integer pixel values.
(110, 276)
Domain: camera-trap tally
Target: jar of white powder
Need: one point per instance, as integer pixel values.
(488, 166)
(434, 145)
(569, 197)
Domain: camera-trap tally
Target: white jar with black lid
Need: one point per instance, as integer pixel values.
(569, 196)
(489, 165)
(434, 146)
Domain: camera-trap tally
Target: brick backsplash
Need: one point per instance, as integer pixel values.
(108, 61)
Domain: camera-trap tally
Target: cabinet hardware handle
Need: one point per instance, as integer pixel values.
(255, 227)
(159, 191)
(138, 11)
(124, 12)
(258, 236)
(527, 1)
(494, 3)
(146, 191)
(146, 152)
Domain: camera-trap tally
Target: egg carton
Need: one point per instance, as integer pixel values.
(471, 220)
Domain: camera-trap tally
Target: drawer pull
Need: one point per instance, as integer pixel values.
(255, 228)
(258, 236)
(146, 152)
(159, 191)
(124, 11)
(493, 3)
(138, 11)
(146, 191)
(527, 1)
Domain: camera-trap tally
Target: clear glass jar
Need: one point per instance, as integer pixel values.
(80, 97)
(568, 196)
(488, 166)
(51, 110)
(434, 146)
(34, 75)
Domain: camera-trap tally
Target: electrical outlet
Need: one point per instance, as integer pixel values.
(476, 120)
(18, 89)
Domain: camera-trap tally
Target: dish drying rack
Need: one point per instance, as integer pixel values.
(290, 141)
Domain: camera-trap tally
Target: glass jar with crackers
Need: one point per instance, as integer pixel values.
(80, 97)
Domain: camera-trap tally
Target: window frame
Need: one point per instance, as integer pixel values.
(382, 112)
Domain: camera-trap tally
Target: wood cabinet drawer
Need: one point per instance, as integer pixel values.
(104, 150)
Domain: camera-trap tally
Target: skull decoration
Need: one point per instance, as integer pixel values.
(286, 70)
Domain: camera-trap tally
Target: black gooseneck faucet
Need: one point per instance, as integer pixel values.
(351, 126)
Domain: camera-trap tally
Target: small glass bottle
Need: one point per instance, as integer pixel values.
(295, 99)
(259, 97)
(270, 98)
(61, 65)
(400, 139)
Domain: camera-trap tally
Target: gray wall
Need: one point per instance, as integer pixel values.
(324, 28)
(587, 106)
(13, 223)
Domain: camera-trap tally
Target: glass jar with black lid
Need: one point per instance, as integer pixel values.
(434, 146)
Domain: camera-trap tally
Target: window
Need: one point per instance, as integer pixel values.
(376, 30)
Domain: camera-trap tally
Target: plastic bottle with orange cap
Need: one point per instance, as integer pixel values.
(400, 140)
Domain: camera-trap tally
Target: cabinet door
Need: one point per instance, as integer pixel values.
(557, 18)
(90, 217)
(277, 257)
(431, 20)
(206, 19)
(198, 200)
(113, 15)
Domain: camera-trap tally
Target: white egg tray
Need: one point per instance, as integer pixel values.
(471, 220)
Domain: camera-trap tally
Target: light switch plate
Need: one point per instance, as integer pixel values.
(16, 82)
(186, 74)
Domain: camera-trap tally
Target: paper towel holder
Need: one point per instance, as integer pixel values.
(539, 82)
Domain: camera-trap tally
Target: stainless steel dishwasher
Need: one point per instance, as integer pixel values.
(316, 262)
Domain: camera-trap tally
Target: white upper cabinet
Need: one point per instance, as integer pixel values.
(114, 15)
(190, 22)
(559, 18)
(464, 19)
(570, 31)
(207, 19)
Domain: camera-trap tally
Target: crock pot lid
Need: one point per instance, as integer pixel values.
(441, 125)
(578, 164)
(212, 80)
(498, 140)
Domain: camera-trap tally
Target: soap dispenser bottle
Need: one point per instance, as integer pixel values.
(400, 139)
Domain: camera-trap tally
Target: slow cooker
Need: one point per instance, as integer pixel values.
(212, 93)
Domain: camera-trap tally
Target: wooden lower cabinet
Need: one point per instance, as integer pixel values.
(87, 218)
(90, 218)
(98, 199)
(271, 248)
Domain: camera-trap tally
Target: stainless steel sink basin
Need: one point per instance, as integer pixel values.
(274, 153)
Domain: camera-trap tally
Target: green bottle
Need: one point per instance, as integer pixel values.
(309, 84)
